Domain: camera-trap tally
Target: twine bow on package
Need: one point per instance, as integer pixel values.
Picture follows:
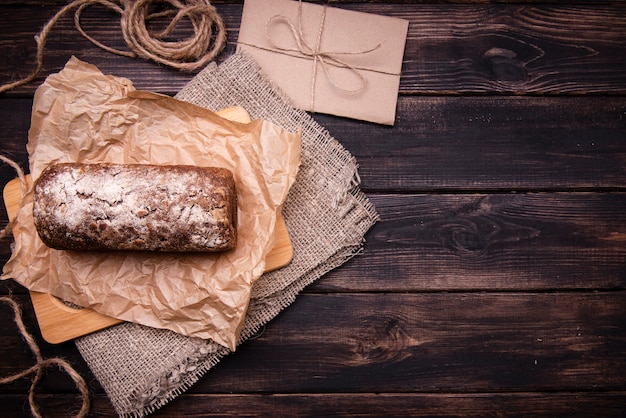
(326, 59)
(81, 115)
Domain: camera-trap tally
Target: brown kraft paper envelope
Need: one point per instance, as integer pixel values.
(371, 45)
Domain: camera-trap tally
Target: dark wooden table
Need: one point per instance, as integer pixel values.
(494, 283)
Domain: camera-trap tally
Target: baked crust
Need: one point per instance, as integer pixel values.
(105, 206)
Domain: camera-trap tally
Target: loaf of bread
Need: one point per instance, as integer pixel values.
(136, 207)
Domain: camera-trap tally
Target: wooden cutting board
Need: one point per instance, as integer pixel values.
(59, 322)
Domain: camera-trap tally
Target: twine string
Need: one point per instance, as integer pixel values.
(111, 6)
(41, 364)
(24, 189)
(189, 54)
(314, 53)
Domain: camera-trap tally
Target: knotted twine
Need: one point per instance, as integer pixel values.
(24, 189)
(41, 364)
(314, 53)
(187, 55)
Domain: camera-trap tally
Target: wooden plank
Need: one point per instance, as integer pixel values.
(489, 242)
(512, 405)
(426, 405)
(437, 342)
(513, 49)
(378, 405)
(464, 144)
(491, 143)
(451, 48)
(562, 149)
(458, 242)
(453, 242)
(415, 343)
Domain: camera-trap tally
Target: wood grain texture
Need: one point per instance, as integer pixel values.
(491, 143)
(513, 405)
(423, 342)
(451, 48)
(488, 242)
(513, 49)
(494, 283)
(458, 242)
(434, 342)
(499, 143)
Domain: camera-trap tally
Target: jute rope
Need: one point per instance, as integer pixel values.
(187, 55)
(24, 189)
(41, 364)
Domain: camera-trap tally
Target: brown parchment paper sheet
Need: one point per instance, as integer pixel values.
(81, 115)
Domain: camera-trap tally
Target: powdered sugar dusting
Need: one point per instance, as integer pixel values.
(146, 207)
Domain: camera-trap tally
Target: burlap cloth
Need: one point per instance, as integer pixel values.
(327, 216)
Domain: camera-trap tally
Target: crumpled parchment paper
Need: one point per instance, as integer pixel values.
(81, 115)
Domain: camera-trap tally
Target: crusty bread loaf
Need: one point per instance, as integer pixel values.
(136, 207)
